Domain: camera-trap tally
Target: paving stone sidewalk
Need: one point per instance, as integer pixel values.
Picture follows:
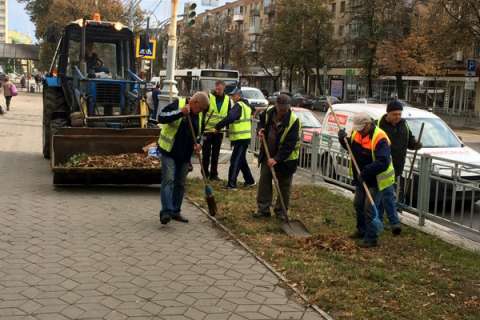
(100, 253)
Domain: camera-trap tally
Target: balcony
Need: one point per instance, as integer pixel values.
(255, 12)
(238, 18)
(269, 10)
(255, 29)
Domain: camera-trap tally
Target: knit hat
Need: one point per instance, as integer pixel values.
(394, 105)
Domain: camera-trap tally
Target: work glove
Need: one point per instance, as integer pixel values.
(342, 134)
(360, 179)
(418, 145)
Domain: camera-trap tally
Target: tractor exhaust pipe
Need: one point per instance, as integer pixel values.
(83, 61)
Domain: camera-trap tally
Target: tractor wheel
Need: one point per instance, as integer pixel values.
(53, 101)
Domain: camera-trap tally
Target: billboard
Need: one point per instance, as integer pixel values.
(336, 88)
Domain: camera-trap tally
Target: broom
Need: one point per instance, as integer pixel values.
(209, 198)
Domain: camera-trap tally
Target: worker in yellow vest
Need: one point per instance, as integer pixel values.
(371, 148)
(281, 129)
(212, 140)
(239, 121)
(176, 147)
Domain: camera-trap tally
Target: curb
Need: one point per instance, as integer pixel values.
(280, 276)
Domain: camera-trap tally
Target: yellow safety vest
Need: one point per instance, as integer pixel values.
(293, 118)
(169, 130)
(217, 115)
(241, 129)
(386, 178)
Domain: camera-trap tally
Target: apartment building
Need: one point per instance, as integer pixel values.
(3, 21)
(250, 18)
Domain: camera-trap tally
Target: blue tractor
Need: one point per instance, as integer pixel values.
(94, 103)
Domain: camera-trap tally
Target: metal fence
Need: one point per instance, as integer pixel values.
(442, 190)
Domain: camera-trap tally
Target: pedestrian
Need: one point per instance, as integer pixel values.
(38, 81)
(401, 138)
(156, 101)
(281, 128)
(9, 90)
(239, 120)
(212, 141)
(23, 81)
(176, 148)
(371, 148)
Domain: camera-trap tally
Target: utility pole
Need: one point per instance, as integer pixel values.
(169, 89)
(131, 12)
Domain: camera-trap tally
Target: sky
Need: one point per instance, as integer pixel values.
(19, 20)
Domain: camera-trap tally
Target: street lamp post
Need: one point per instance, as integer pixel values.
(169, 90)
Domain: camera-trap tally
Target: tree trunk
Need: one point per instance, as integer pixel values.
(319, 83)
(290, 78)
(399, 83)
(369, 77)
(306, 79)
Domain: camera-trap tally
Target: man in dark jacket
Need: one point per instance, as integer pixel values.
(402, 139)
(371, 149)
(239, 120)
(176, 146)
(281, 129)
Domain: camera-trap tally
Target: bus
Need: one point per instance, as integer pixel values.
(193, 80)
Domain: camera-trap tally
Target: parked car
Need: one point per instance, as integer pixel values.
(301, 100)
(273, 98)
(308, 120)
(255, 97)
(438, 140)
(370, 100)
(320, 103)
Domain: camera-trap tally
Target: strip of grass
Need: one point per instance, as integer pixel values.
(414, 276)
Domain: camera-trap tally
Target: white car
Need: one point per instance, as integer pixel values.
(438, 140)
(254, 97)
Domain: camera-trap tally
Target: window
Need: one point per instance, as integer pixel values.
(342, 6)
(111, 58)
(340, 31)
(267, 3)
(334, 9)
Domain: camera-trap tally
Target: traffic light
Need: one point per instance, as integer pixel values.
(190, 13)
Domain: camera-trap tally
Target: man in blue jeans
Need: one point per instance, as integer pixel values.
(176, 146)
(239, 120)
(371, 148)
(402, 139)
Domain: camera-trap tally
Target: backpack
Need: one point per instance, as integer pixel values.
(13, 90)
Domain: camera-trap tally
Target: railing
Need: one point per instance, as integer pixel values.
(441, 190)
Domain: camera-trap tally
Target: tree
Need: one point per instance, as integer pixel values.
(212, 44)
(463, 17)
(299, 38)
(49, 23)
(376, 22)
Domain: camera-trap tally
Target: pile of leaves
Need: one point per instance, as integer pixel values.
(331, 243)
(125, 160)
(413, 276)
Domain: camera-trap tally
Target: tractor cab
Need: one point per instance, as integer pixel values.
(95, 66)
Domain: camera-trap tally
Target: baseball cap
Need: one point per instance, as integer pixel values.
(284, 100)
(360, 120)
(236, 90)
